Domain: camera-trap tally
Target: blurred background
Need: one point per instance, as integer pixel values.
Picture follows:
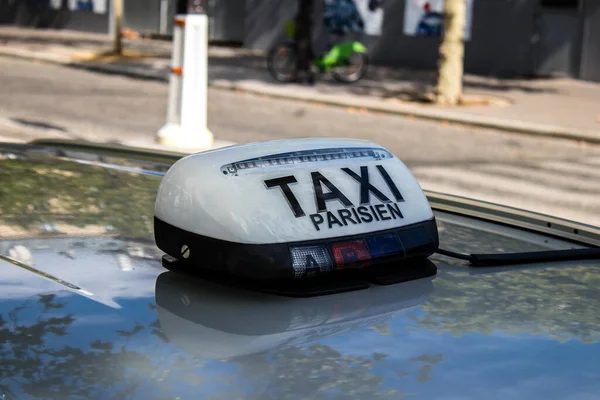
(506, 111)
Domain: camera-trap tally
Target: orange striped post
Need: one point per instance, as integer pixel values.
(186, 125)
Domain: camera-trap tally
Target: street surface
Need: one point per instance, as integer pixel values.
(555, 177)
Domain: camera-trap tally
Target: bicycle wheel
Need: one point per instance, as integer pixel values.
(351, 69)
(281, 62)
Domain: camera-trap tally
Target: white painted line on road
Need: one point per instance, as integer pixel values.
(591, 161)
(568, 180)
(563, 166)
(579, 214)
(479, 181)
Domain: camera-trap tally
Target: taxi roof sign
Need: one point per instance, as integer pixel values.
(293, 209)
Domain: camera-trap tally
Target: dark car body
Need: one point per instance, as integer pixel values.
(88, 312)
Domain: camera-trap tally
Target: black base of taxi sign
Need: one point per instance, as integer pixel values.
(339, 282)
(281, 261)
(279, 269)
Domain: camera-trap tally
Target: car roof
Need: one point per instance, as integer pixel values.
(87, 310)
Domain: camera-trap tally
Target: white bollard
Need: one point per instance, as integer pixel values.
(186, 125)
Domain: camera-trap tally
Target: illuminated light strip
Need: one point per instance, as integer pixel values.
(350, 253)
(306, 156)
(330, 254)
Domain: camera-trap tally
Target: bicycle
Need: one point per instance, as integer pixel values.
(347, 61)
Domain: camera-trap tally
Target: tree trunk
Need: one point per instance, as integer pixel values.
(181, 7)
(303, 42)
(452, 49)
(117, 26)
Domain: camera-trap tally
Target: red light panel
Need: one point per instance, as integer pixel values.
(353, 253)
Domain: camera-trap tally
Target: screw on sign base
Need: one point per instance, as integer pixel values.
(185, 251)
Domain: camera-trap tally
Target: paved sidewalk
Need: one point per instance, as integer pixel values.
(558, 108)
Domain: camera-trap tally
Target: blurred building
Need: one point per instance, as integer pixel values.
(504, 37)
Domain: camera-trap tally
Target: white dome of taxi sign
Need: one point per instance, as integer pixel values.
(293, 209)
